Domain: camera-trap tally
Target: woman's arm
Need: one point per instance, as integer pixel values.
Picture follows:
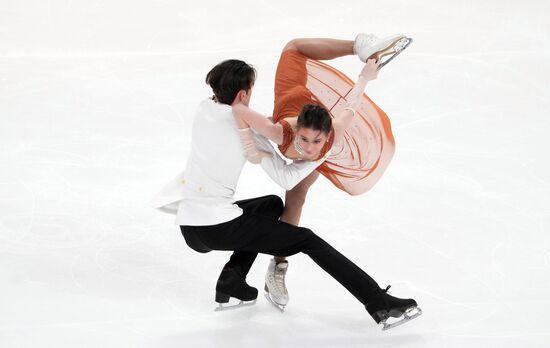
(247, 117)
(343, 120)
(285, 175)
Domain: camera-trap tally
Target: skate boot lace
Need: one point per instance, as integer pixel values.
(386, 290)
(370, 38)
(279, 277)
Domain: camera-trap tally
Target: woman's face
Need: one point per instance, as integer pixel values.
(311, 141)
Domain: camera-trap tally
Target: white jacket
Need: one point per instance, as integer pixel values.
(203, 194)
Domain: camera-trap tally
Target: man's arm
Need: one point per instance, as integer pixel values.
(285, 175)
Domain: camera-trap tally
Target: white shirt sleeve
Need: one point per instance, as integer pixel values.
(285, 175)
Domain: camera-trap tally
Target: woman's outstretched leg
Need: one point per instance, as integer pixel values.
(276, 271)
(295, 200)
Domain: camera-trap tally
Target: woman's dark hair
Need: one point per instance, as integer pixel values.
(315, 117)
(228, 78)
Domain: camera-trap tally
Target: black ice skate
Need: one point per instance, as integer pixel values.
(232, 283)
(383, 306)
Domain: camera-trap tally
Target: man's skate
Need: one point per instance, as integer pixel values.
(275, 289)
(368, 46)
(382, 307)
(232, 283)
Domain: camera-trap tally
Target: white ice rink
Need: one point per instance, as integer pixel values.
(96, 99)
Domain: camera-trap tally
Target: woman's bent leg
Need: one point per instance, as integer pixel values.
(322, 48)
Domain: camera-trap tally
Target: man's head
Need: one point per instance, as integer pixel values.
(232, 81)
(313, 128)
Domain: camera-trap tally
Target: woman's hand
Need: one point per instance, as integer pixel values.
(370, 70)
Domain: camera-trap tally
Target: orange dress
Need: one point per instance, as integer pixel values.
(359, 160)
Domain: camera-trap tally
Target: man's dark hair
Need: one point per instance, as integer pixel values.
(315, 117)
(228, 78)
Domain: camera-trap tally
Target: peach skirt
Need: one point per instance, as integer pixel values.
(358, 161)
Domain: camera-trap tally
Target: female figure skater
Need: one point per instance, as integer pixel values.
(319, 112)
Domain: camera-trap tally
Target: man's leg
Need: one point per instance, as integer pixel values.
(257, 233)
(279, 238)
(269, 206)
(232, 279)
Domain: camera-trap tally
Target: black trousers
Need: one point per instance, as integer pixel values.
(259, 230)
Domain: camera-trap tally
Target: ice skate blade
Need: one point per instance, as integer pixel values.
(392, 51)
(281, 308)
(221, 307)
(409, 315)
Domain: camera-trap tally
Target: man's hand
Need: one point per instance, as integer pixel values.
(252, 153)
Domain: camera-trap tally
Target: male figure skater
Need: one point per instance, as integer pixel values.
(210, 219)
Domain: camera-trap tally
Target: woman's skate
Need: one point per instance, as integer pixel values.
(368, 46)
(275, 289)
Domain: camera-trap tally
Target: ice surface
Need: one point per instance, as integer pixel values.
(96, 99)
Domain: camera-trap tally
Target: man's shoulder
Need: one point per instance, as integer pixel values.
(210, 105)
(208, 110)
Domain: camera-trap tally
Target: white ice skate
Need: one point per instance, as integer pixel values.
(275, 289)
(368, 46)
